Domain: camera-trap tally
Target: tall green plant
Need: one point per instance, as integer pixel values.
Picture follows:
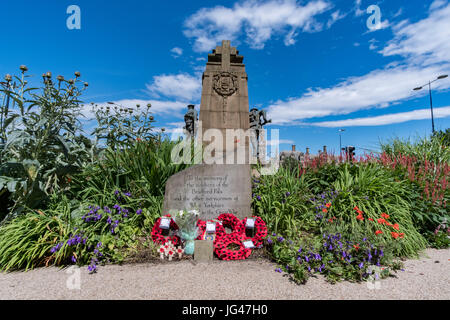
(43, 144)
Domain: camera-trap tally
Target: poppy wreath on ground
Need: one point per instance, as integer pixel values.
(224, 253)
(260, 227)
(229, 220)
(158, 237)
(201, 225)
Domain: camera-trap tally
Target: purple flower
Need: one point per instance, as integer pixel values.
(139, 211)
(361, 265)
(281, 239)
(306, 259)
(269, 241)
(74, 260)
(258, 197)
(116, 192)
(99, 245)
(278, 270)
(288, 194)
(127, 194)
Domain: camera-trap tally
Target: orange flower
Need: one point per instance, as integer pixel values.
(360, 217)
(324, 210)
(396, 226)
(328, 205)
(378, 232)
(395, 235)
(381, 220)
(384, 215)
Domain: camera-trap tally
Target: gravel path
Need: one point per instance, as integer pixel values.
(427, 278)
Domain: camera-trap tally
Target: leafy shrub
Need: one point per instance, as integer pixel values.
(143, 169)
(41, 140)
(75, 233)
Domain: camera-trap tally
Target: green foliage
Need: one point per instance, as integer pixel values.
(42, 145)
(122, 127)
(50, 237)
(143, 169)
(433, 149)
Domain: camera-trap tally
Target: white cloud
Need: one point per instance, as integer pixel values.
(259, 20)
(357, 8)
(387, 119)
(176, 52)
(335, 16)
(157, 106)
(280, 141)
(372, 44)
(424, 46)
(424, 42)
(379, 88)
(179, 86)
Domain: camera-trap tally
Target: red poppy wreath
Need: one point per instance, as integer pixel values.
(223, 252)
(229, 220)
(157, 231)
(260, 227)
(220, 230)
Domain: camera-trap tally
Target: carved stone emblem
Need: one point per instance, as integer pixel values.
(225, 83)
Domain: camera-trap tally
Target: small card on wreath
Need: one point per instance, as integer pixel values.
(165, 223)
(210, 227)
(248, 244)
(250, 224)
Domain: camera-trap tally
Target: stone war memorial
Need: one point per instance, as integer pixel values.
(222, 182)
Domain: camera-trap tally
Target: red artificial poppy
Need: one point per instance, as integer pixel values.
(378, 232)
(395, 235)
(170, 252)
(396, 226)
(328, 205)
(162, 250)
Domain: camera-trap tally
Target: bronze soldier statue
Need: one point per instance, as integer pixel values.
(257, 124)
(191, 118)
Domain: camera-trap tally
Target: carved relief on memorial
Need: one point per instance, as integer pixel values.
(225, 83)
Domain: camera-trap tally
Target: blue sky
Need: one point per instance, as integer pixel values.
(315, 66)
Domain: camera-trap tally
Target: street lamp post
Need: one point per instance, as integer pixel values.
(340, 141)
(431, 99)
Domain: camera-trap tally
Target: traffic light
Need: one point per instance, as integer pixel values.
(351, 152)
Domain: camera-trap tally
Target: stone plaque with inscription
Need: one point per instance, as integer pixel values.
(211, 189)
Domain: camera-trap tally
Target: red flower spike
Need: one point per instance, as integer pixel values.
(395, 235)
(378, 232)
